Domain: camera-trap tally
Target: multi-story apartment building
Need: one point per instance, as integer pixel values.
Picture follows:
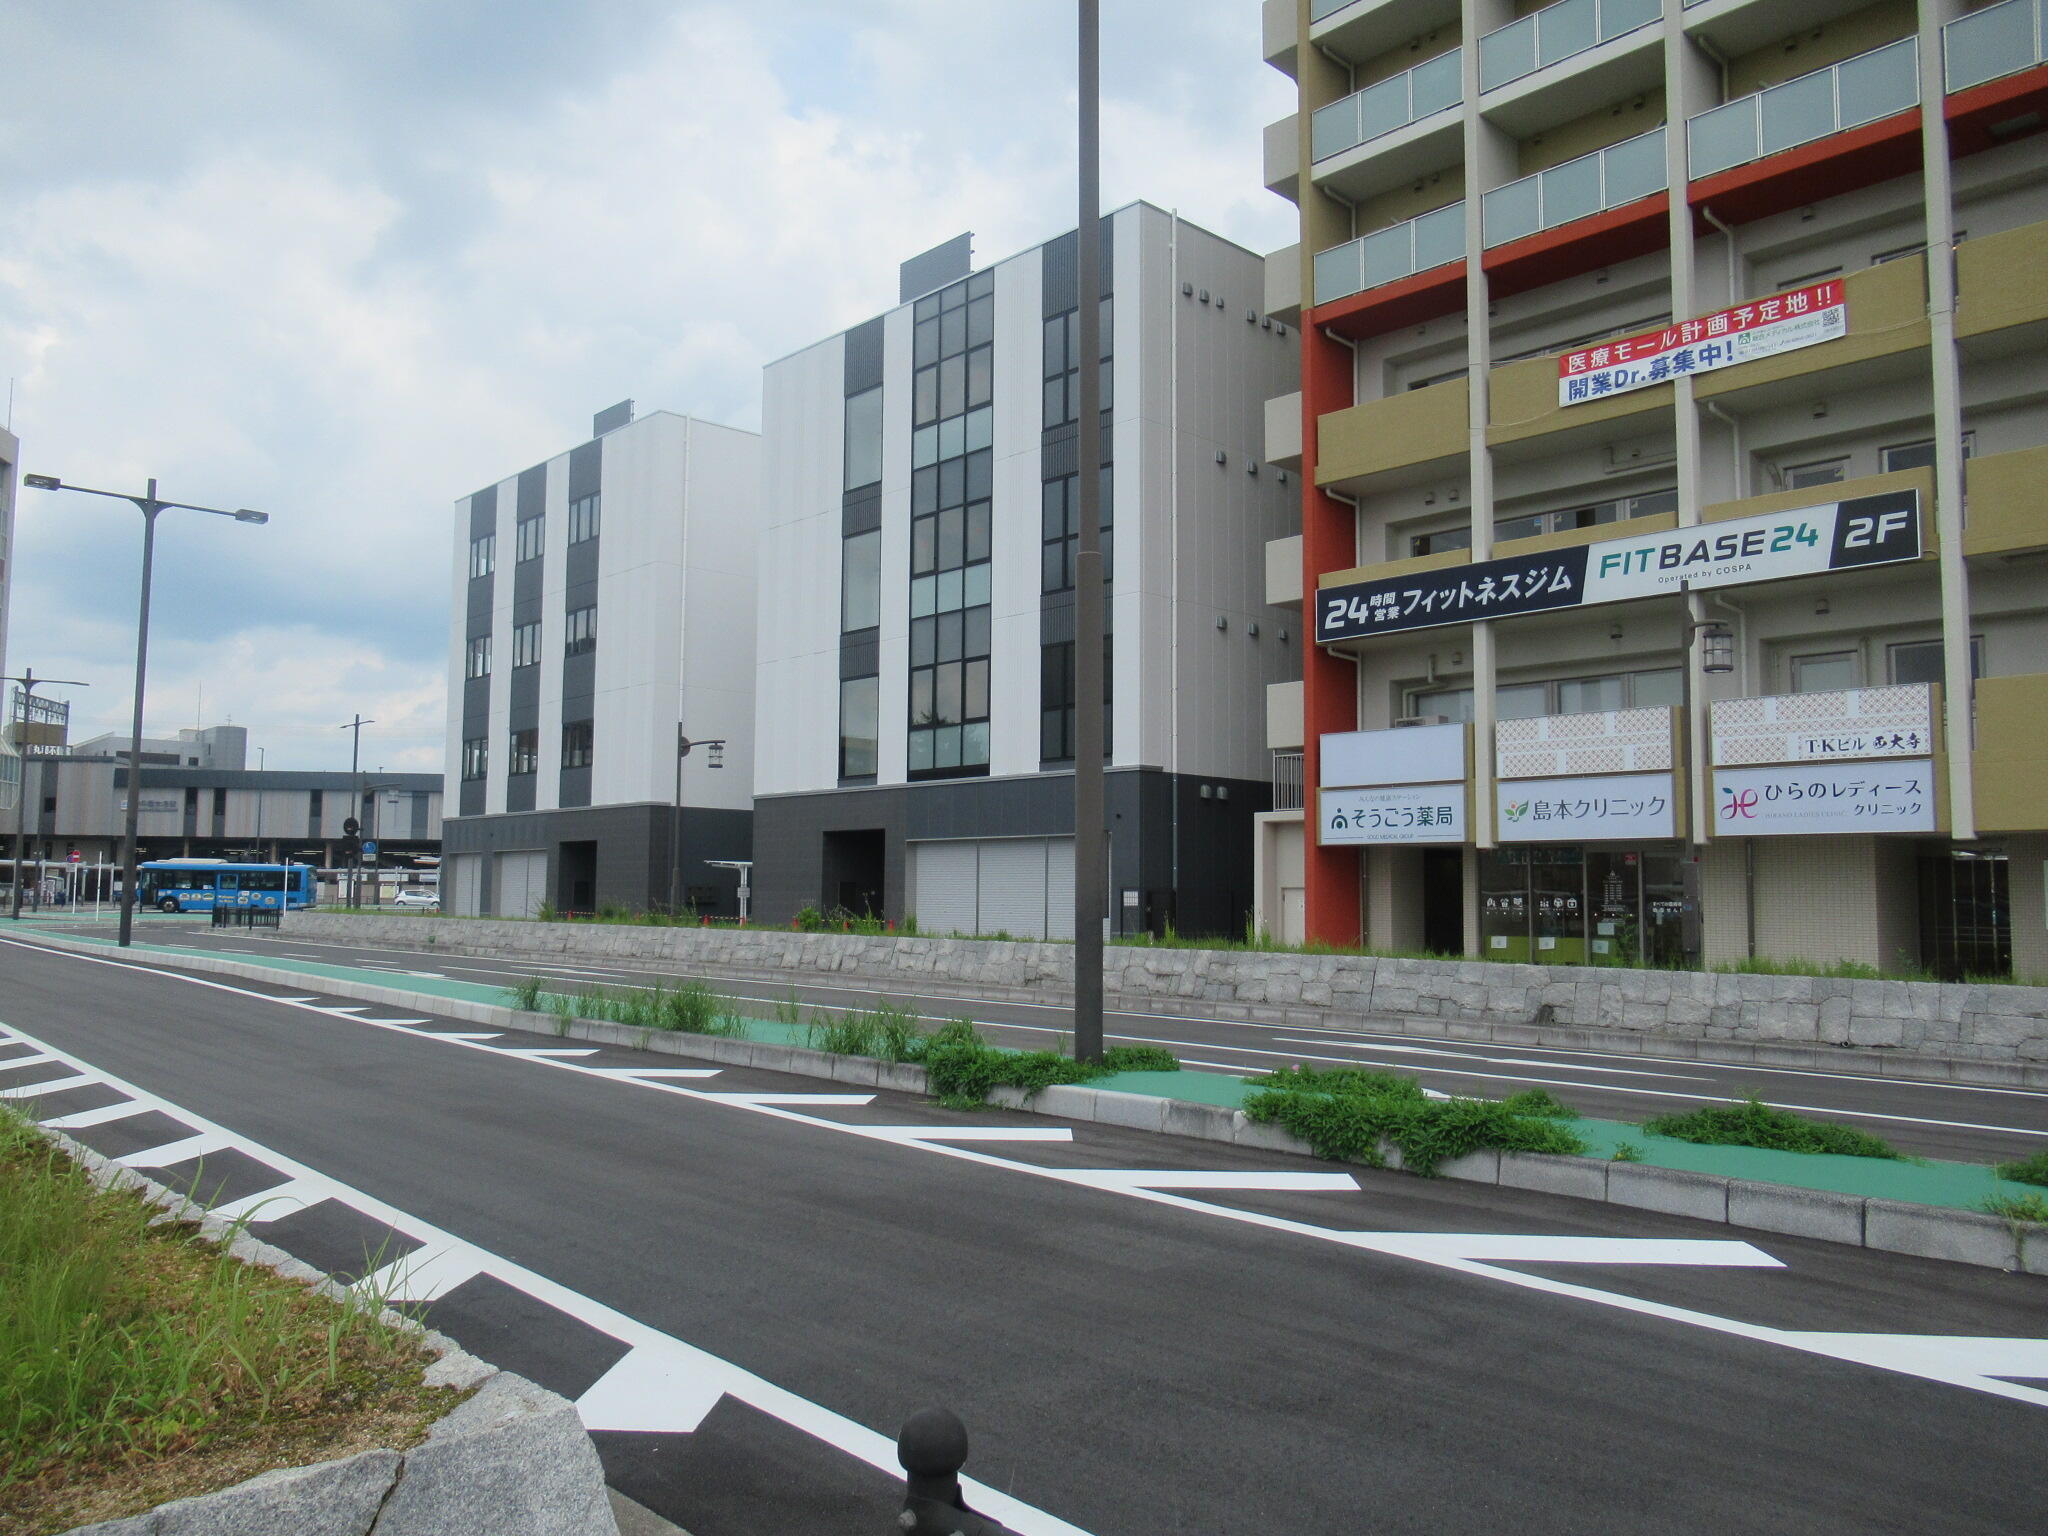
(564, 767)
(915, 710)
(1672, 442)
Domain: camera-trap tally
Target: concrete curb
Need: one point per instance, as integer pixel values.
(1891, 1226)
(511, 1459)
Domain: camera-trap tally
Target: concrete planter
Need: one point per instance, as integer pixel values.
(1996, 1034)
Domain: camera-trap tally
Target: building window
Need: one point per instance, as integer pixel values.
(483, 555)
(1062, 351)
(478, 663)
(531, 532)
(860, 582)
(576, 743)
(1798, 477)
(525, 752)
(526, 644)
(1921, 661)
(583, 518)
(476, 761)
(860, 708)
(1616, 510)
(864, 438)
(951, 483)
(1808, 279)
(1061, 530)
(1564, 696)
(1826, 671)
(1056, 690)
(580, 632)
(1918, 455)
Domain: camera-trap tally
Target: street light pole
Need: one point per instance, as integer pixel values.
(29, 683)
(149, 506)
(675, 826)
(1090, 873)
(355, 778)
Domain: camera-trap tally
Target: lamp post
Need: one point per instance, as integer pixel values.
(675, 826)
(149, 505)
(29, 683)
(355, 778)
(1717, 658)
(259, 807)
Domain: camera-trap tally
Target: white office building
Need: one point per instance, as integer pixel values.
(604, 608)
(914, 714)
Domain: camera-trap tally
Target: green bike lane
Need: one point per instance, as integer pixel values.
(1922, 1181)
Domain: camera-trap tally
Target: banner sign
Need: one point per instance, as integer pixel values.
(1818, 798)
(1895, 721)
(1785, 322)
(1402, 813)
(1602, 808)
(1836, 535)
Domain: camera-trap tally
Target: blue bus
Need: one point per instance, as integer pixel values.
(201, 885)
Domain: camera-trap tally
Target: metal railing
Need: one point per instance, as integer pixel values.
(1859, 90)
(245, 917)
(1378, 109)
(1998, 40)
(1289, 791)
(1557, 32)
(1591, 184)
(1398, 251)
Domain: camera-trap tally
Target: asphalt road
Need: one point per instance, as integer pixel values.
(742, 1280)
(1945, 1120)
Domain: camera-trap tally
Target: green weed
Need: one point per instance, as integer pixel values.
(2028, 1170)
(1752, 1123)
(1345, 1113)
(2031, 1210)
(1626, 1152)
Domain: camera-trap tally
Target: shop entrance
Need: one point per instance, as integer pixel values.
(1965, 914)
(1573, 905)
(1443, 901)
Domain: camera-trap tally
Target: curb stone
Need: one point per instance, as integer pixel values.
(511, 1459)
(1926, 1231)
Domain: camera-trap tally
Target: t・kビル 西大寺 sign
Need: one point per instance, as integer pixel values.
(1836, 535)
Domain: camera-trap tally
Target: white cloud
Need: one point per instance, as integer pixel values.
(348, 301)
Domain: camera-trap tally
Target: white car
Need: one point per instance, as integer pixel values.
(429, 901)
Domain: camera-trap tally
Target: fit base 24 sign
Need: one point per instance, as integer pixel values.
(1398, 813)
(1785, 322)
(1807, 541)
(1618, 807)
(1808, 799)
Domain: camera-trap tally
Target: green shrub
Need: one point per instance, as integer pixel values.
(2028, 1170)
(1626, 1152)
(688, 1009)
(1753, 1123)
(2030, 1210)
(1346, 1113)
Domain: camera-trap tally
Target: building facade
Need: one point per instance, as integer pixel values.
(10, 757)
(563, 763)
(915, 710)
(1672, 521)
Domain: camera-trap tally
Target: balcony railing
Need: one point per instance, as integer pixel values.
(1318, 9)
(1859, 90)
(1390, 254)
(1287, 782)
(1557, 32)
(1391, 104)
(1998, 40)
(1591, 184)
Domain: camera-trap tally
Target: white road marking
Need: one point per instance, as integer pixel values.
(967, 1133)
(466, 1036)
(85, 1119)
(661, 1071)
(1180, 1178)
(517, 1050)
(185, 1148)
(28, 1091)
(1514, 1248)
(1961, 1370)
(748, 1099)
(272, 1204)
(33, 1059)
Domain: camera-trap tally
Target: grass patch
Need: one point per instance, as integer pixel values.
(688, 1008)
(2028, 1170)
(2023, 1210)
(140, 1363)
(1345, 1113)
(1626, 1152)
(1753, 1123)
(963, 1068)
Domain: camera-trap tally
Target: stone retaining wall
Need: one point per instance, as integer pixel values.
(2004, 1029)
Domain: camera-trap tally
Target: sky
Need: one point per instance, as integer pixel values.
(346, 261)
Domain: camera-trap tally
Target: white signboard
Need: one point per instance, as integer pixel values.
(1401, 813)
(1408, 754)
(1618, 807)
(1869, 530)
(1821, 727)
(1786, 800)
(1785, 322)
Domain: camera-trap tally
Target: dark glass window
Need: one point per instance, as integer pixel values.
(580, 631)
(860, 704)
(476, 760)
(525, 752)
(583, 519)
(577, 740)
(531, 534)
(478, 663)
(526, 644)
(483, 555)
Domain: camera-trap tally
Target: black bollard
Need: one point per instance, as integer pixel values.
(933, 1448)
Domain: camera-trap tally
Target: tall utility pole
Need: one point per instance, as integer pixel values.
(1090, 872)
(29, 684)
(355, 778)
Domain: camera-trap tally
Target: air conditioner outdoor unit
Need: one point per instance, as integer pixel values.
(1422, 720)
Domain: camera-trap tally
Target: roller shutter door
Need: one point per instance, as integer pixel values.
(521, 884)
(1059, 888)
(1013, 887)
(943, 878)
(462, 885)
